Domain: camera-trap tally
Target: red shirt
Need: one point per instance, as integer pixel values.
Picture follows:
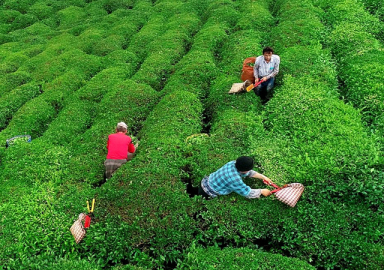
(119, 145)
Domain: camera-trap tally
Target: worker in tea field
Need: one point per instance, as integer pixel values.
(265, 69)
(228, 179)
(120, 149)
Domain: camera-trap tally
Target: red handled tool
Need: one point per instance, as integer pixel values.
(275, 186)
(250, 87)
(87, 221)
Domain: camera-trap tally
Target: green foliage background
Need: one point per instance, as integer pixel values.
(70, 70)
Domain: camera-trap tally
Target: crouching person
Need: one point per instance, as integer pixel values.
(228, 179)
(120, 150)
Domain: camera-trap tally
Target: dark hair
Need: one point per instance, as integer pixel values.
(244, 164)
(267, 49)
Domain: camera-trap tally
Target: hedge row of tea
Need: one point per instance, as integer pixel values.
(338, 166)
(59, 172)
(354, 40)
(375, 7)
(162, 208)
(170, 219)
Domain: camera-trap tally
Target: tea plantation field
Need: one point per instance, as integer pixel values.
(71, 69)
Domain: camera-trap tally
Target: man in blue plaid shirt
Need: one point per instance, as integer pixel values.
(228, 179)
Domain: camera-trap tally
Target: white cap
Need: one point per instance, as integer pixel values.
(122, 124)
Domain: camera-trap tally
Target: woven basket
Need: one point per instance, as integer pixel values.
(77, 228)
(290, 194)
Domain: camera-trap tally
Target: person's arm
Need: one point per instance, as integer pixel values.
(276, 68)
(131, 148)
(255, 193)
(260, 176)
(242, 189)
(256, 70)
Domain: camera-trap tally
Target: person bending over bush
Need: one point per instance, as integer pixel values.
(228, 179)
(120, 150)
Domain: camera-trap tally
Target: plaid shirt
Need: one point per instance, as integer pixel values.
(228, 179)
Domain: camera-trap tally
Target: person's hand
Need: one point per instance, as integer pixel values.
(268, 181)
(264, 79)
(256, 80)
(266, 192)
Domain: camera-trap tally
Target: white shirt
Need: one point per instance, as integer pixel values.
(263, 69)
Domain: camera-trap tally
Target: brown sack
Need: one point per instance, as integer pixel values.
(239, 87)
(247, 72)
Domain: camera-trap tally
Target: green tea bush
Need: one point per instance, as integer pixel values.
(30, 119)
(95, 11)
(165, 51)
(12, 62)
(35, 115)
(169, 8)
(41, 9)
(352, 11)
(5, 38)
(122, 59)
(73, 120)
(363, 81)
(33, 171)
(71, 16)
(239, 258)
(43, 67)
(293, 11)
(252, 10)
(7, 16)
(314, 62)
(222, 12)
(112, 5)
(19, 5)
(196, 70)
(102, 83)
(150, 31)
(37, 31)
(76, 60)
(308, 119)
(89, 38)
(12, 101)
(13, 80)
(108, 44)
(303, 32)
(349, 39)
(23, 21)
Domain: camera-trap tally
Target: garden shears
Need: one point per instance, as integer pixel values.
(87, 221)
(252, 86)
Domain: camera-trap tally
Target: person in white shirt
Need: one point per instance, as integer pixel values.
(265, 69)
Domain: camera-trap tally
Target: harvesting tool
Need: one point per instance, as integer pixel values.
(88, 217)
(288, 194)
(252, 86)
(78, 229)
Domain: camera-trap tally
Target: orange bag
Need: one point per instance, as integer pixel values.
(247, 72)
